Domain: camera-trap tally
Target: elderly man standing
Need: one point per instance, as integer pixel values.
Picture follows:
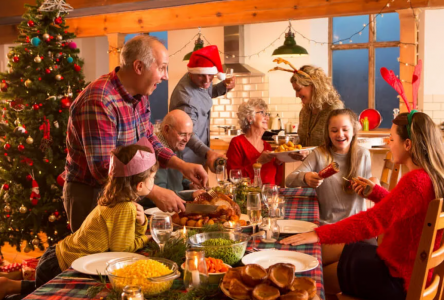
(193, 94)
(114, 111)
(175, 132)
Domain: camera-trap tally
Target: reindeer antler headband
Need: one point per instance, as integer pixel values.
(294, 70)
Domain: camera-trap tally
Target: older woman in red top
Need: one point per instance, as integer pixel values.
(249, 148)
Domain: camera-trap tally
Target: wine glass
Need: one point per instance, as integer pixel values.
(269, 194)
(254, 210)
(221, 175)
(161, 227)
(236, 176)
(228, 78)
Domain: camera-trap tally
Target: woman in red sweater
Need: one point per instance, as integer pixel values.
(371, 272)
(249, 148)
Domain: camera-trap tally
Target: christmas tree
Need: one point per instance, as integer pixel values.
(44, 75)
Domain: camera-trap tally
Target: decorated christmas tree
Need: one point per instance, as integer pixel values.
(43, 77)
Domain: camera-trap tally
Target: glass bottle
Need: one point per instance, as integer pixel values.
(196, 273)
(132, 292)
(257, 181)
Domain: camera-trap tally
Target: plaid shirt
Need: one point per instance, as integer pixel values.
(104, 116)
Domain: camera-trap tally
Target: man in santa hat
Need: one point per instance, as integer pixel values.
(193, 94)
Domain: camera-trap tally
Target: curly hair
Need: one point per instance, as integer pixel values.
(246, 111)
(323, 90)
(123, 189)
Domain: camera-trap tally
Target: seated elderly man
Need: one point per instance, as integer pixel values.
(175, 132)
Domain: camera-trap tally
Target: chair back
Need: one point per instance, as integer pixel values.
(390, 173)
(427, 259)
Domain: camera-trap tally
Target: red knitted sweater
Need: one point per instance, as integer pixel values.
(399, 215)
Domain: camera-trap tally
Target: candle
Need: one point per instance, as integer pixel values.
(195, 274)
(268, 229)
(184, 233)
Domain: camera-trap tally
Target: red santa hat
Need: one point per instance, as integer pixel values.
(206, 61)
(35, 184)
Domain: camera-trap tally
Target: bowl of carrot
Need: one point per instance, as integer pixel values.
(216, 269)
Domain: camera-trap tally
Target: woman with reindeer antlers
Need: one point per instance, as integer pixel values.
(318, 97)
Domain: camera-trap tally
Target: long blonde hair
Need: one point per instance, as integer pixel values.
(352, 156)
(123, 189)
(427, 148)
(324, 93)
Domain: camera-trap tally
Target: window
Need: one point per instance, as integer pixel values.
(356, 61)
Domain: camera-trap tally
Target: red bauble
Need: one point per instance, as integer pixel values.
(4, 87)
(31, 23)
(34, 202)
(20, 147)
(58, 20)
(6, 187)
(66, 102)
(35, 106)
(7, 146)
(28, 177)
(56, 213)
(16, 59)
(77, 68)
(60, 180)
(47, 71)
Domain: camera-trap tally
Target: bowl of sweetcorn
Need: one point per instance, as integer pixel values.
(154, 275)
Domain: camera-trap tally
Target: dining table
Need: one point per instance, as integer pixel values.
(300, 204)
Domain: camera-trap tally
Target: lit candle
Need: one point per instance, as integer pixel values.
(269, 229)
(184, 232)
(195, 274)
(230, 224)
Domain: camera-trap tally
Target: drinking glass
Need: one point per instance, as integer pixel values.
(236, 176)
(269, 194)
(161, 226)
(272, 229)
(280, 207)
(221, 175)
(254, 204)
(228, 77)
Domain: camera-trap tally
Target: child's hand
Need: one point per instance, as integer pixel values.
(299, 239)
(140, 216)
(313, 180)
(363, 186)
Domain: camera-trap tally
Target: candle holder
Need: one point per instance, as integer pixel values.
(196, 273)
(271, 228)
(132, 292)
(232, 227)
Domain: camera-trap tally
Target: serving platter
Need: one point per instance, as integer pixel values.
(285, 155)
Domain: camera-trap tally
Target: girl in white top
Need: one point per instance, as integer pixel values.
(337, 200)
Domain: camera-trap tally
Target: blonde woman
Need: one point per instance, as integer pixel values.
(249, 148)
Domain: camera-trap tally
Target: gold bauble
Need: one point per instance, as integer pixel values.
(55, 232)
(37, 59)
(23, 209)
(27, 249)
(29, 140)
(58, 77)
(45, 36)
(28, 83)
(36, 242)
(52, 218)
(59, 37)
(7, 208)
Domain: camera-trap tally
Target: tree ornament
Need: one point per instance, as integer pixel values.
(6, 188)
(66, 102)
(35, 192)
(35, 242)
(7, 146)
(17, 105)
(31, 23)
(70, 60)
(58, 54)
(10, 54)
(4, 87)
(23, 209)
(7, 208)
(45, 36)
(58, 20)
(72, 45)
(59, 37)
(58, 77)
(35, 41)
(77, 68)
(61, 179)
(37, 59)
(29, 140)
(27, 249)
(16, 59)
(28, 177)
(46, 140)
(11, 236)
(28, 83)
(45, 160)
(35, 106)
(47, 70)
(56, 232)
(56, 124)
(19, 127)
(52, 218)
(69, 92)
(21, 147)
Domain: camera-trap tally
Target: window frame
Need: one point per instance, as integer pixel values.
(371, 46)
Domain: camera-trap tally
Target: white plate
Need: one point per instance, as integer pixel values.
(303, 262)
(285, 156)
(155, 210)
(96, 263)
(295, 226)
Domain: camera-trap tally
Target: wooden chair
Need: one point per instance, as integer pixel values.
(390, 173)
(426, 259)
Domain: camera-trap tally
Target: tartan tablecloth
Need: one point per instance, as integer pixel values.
(74, 285)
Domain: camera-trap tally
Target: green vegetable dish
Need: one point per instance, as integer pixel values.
(229, 255)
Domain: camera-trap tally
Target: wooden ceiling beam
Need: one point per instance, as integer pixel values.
(223, 13)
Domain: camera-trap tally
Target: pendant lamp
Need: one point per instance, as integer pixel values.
(290, 48)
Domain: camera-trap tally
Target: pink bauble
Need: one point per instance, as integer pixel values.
(72, 45)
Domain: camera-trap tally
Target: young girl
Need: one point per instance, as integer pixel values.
(384, 272)
(117, 224)
(336, 198)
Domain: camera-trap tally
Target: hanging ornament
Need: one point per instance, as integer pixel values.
(17, 105)
(61, 179)
(46, 140)
(52, 218)
(69, 92)
(27, 40)
(50, 55)
(72, 45)
(35, 242)
(4, 87)
(58, 20)
(58, 77)
(59, 37)
(7, 146)
(31, 23)
(47, 70)
(7, 208)
(56, 232)
(28, 177)
(58, 54)
(35, 192)
(45, 36)
(27, 161)
(35, 107)
(21, 147)
(16, 59)
(66, 102)
(35, 41)
(5, 187)
(23, 209)
(28, 83)
(10, 54)
(77, 68)
(37, 59)
(45, 160)
(27, 249)
(56, 124)
(29, 140)
(70, 59)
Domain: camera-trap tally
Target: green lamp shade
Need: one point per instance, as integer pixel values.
(290, 48)
(197, 46)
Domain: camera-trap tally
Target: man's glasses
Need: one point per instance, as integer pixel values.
(263, 113)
